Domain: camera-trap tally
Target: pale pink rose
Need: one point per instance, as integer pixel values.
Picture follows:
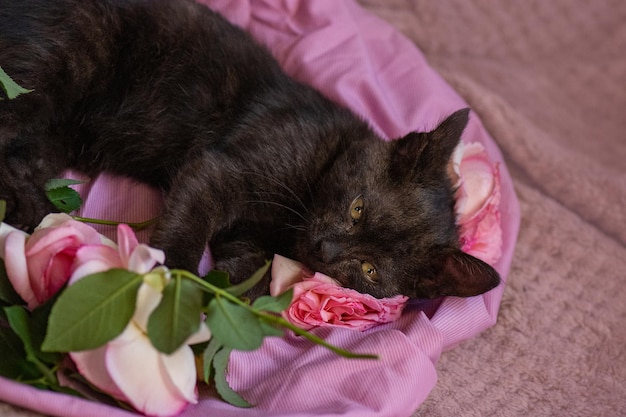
(319, 300)
(129, 368)
(286, 273)
(39, 265)
(482, 236)
(478, 201)
(128, 254)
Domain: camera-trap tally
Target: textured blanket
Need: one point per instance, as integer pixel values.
(545, 78)
(548, 81)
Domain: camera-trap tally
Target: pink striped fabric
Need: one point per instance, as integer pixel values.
(365, 64)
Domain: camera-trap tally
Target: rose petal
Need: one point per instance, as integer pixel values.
(91, 259)
(53, 220)
(285, 273)
(478, 179)
(136, 368)
(202, 335)
(180, 366)
(127, 242)
(91, 365)
(148, 298)
(46, 243)
(55, 276)
(454, 165)
(42, 246)
(52, 236)
(482, 238)
(5, 230)
(320, 301)
(17, 268)
(144, 258)
(481, 233)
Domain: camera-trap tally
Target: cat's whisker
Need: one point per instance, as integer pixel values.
(277, 204)
(309, 190)
(284, 186)
(265, 196)
(295, 227)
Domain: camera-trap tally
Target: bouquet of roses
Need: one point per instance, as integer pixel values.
(83, 315)
(127, 322)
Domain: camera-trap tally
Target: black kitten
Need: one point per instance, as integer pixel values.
(251, 161)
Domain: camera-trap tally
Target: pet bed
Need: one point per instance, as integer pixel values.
(364, 63)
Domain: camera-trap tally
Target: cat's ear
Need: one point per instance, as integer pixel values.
(431, 151)
(463, 275)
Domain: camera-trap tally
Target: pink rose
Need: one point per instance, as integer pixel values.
(128, 254)
(129, 368)
(478, 201)
(38, 266)
(319, 301)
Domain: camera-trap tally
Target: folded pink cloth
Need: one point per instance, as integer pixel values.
(365, 64)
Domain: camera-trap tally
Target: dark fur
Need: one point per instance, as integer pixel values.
(251, 161)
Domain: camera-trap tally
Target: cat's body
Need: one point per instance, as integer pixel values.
(252, 162)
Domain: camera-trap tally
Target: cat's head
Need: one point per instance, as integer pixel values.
(383, 219)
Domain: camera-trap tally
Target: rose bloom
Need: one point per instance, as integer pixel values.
(129, 368)
(39, 265)
(477, 202)
(318, 300)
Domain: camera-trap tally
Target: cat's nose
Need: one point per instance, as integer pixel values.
(328, 251)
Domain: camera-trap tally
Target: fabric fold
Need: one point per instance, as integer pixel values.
(364, 64)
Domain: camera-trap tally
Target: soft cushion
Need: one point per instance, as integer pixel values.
(365, 64)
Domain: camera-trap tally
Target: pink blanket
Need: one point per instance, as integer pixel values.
(365, 64)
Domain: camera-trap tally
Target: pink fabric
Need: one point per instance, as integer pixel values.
(362, 62)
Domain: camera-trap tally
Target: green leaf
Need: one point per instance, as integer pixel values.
(7, 292)
(20, 323)
(3, 210)
(207, 358)
(93, 311)
(221, 384)
(241, 288)
(177, 317)
(270, 330)
(233, 325)
(10, 87)
(38, 326)
(274, 304)
(65, 198)
(14, 364)
(55, 183)
(217, 278)
(18, 320)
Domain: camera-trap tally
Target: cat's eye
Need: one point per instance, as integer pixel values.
(356, 209)
(369, 271)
